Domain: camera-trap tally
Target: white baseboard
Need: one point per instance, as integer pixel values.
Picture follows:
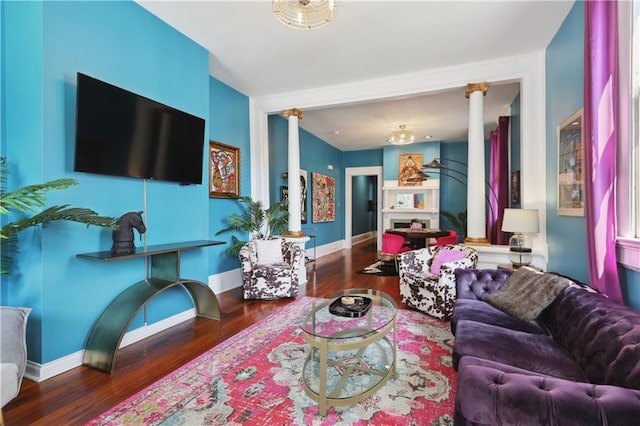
(363, 237)
(326, 249)
(224, 281)
(39, 372)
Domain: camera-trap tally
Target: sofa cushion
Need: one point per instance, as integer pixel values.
(534, 352)
(445, 255)
(475, 310)
(603, 336)
(491, 393)
(526, 293)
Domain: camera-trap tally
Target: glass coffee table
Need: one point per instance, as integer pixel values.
(351, 354)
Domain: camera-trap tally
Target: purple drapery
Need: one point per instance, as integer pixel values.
(600, 135)
(498, 188)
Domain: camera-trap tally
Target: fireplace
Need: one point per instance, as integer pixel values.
(404, 223)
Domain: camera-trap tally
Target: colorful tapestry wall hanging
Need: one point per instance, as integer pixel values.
(323, 198)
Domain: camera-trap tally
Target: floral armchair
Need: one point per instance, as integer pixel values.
(427, 280)
(270, 269)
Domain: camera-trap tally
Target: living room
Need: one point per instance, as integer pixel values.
(46, 44)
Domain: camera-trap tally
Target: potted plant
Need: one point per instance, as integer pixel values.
(458, 221)
(29, 200)
(259, 222)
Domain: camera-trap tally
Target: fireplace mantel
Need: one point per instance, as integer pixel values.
(411, 202)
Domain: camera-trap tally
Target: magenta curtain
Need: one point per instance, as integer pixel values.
(600, 135)
(498, 188)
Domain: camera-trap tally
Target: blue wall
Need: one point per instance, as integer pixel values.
(228, 124)
(315, 157)
(565, 76)
(45, 45)
(363, 158)
(453, 184)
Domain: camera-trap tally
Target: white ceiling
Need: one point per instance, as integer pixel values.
(258, 56)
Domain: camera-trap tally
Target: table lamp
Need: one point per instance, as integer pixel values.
(522, 222)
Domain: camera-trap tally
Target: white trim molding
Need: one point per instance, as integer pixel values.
(628, 252)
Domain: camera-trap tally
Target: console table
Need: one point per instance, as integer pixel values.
(107, 332)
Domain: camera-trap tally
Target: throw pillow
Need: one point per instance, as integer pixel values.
(526, 293)
(443, 256)
(269, 252)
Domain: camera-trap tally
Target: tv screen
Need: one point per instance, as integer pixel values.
(120, 133)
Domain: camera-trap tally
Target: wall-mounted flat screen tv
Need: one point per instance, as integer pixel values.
(120, 133)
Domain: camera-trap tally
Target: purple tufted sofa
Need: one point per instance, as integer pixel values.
(578, 363)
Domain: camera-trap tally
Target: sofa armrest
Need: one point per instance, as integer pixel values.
(479, 283)
(296, 257)
(489, 396)
(415, 261)
(13, 350)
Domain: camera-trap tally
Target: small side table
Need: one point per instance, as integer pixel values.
(510, 267)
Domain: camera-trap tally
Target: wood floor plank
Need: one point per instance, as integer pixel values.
(79, 395)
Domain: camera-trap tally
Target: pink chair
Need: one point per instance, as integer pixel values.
(452, 238)
(392, 245)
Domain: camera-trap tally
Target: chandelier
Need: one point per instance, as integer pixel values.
(402, 136)
(304, 14)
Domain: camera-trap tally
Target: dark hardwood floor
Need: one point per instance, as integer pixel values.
(79, 395)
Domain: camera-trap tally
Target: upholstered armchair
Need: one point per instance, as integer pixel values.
(427, 280)
(270, 269)
(13, 353)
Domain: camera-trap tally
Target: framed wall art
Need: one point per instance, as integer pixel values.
(515, 188)
(224, 170)
(304, 212)
(409, 165)
(323, 198)
(570, 166)
(284, 195)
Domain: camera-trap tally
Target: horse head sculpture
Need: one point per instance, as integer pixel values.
(123, 236)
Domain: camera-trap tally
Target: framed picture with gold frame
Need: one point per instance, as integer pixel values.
(408, 167)
(224, 170)
(570, 173)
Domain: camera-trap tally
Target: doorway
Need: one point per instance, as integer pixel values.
(349, 173)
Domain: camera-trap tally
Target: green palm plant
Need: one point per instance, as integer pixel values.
(259, 222)
(458, 221)
(29, 200)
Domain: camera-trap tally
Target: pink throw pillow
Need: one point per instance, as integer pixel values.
(445, 256)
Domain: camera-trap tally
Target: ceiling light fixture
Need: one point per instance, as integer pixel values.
(402, 136)
(305, 14)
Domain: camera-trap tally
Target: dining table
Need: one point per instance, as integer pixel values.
(418, 238)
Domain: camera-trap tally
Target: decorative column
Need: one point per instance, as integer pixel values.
(293, 171)
(295, 234)
(476, 213)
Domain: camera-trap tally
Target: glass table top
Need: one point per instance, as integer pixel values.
(321, 322)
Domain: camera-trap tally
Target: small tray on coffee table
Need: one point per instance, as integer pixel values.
(350, 306)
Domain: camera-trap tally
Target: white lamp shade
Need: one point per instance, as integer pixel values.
(521, 221)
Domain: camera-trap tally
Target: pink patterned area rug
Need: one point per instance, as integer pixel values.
(255, 378)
